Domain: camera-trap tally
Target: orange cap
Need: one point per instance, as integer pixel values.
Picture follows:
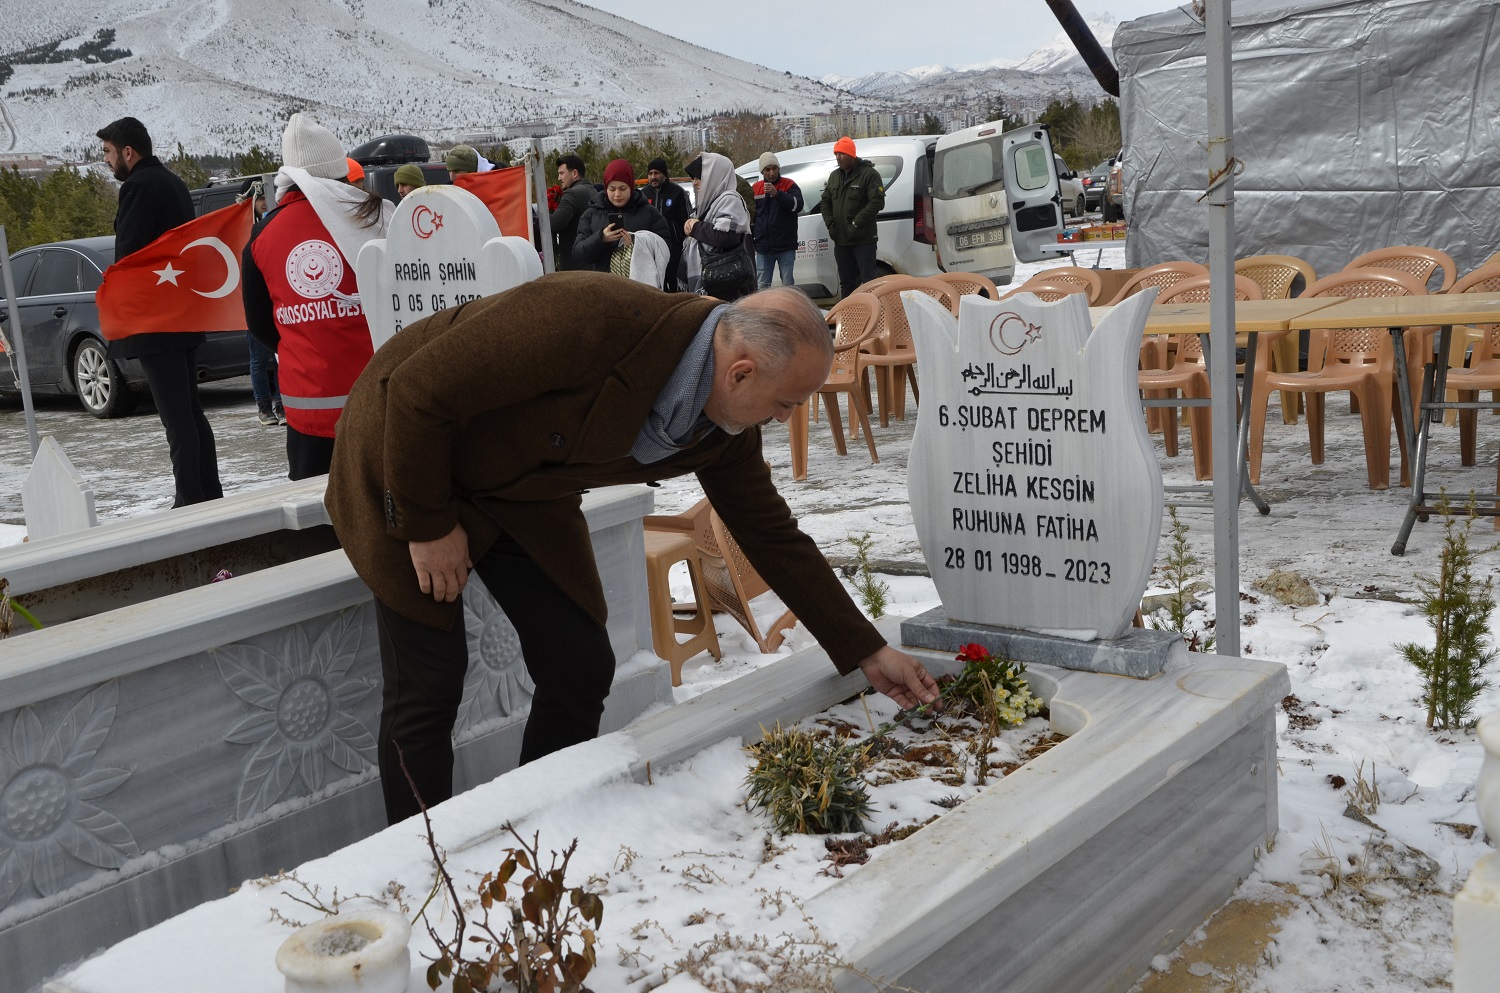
(845, 145)
(356, 171)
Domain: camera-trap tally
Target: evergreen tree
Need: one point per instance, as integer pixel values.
(188, 168)
(255, 161)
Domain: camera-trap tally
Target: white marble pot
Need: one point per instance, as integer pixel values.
(361, 952)
(1489, 776)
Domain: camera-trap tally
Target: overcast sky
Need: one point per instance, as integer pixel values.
(853, 37)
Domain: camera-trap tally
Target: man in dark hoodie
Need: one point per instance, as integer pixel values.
(852, 199)
(671, 202)
(577, 192)
(153, 200)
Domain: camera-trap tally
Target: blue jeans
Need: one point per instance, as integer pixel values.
(766, 264)
(262, 371)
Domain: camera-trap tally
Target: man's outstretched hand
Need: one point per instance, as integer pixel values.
(900, 677)
(442, 565)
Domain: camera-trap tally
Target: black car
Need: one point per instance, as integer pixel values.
(1095, 183)
(65, 351)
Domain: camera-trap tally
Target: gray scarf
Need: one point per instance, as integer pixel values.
(676, 417)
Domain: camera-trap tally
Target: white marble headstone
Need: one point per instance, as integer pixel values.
(444, 248)
(1034, 486)
(54, 497)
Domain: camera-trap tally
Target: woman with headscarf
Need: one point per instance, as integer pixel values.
(720, 225)
(606, 241)
(299, 288)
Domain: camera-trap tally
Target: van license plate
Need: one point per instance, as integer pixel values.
(981, 239)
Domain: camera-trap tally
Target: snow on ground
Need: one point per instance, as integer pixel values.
(1368, 902)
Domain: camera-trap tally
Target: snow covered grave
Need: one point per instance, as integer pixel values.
(168, 736)
(1114, 844)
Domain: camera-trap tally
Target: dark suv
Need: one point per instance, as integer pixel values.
(65, 351)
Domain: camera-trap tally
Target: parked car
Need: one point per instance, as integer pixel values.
(1113, 204)
(1070, 186)
(906, 238)
(65, 350)
(1094, 185)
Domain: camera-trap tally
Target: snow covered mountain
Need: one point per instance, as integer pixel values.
(1056, 69)
(226, 74)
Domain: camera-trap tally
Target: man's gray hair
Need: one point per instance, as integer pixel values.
(776, 323)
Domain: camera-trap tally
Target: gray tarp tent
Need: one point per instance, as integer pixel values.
(1360, 123)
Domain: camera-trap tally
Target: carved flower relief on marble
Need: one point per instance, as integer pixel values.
(47, 788)
(301, 721)
(497, 683)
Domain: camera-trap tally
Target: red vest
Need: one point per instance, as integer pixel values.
(325, 342)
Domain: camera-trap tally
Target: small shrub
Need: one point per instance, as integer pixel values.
(872, 592)
(805, 785)
(1182, 573)
(1457, 606)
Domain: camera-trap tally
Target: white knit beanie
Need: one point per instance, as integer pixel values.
(306, 144)
(768, 159)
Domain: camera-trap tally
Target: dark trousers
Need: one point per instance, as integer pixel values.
(307, 455)
(567, 655)
(856, 266)
(173, 378)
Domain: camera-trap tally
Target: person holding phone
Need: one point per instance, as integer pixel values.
(606, 232)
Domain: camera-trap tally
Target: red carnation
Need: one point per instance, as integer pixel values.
(973, 653)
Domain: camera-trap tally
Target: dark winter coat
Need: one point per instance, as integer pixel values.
(591, 251)
(153, 201)
(851, 202)
(498, 414)
(575, 200)
(776, 210)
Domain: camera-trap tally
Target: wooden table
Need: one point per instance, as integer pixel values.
(1252, 318)
(1397, 314)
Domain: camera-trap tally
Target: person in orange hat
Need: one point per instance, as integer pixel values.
(356, 173)
(853, 197)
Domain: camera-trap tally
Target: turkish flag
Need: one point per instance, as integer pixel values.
(186, 280)
(504, 192)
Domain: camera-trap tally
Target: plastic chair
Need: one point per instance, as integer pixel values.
(1483, 372)
(1277, 276)
(1360, 360)
(1189, 373)
(890, 350)
(1048, 290)
(1074, 274)
(854, 320)
(1412, 259)
(664, 549)
(729, 580)
(1161, 276)
(968, 283)
(737, 584)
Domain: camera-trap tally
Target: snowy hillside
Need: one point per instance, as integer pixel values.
(225, 74)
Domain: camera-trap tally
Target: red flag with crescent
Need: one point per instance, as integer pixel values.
(504, 192)
(186, 280)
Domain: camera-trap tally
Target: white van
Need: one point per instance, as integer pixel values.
(995, 199)
(904, 227)
(910, 242)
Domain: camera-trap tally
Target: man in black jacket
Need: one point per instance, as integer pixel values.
(671, 201)
(577, 192)
(153, 200)
(778, 201)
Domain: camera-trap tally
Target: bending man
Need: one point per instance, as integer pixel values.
(442, 468)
